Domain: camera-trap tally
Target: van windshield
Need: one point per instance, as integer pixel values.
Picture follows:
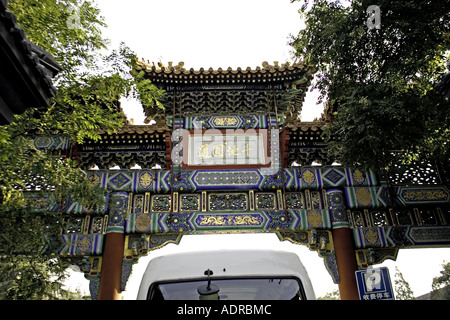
(230, 289)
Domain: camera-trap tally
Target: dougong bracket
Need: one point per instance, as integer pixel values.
(317, 240)
(372, 256)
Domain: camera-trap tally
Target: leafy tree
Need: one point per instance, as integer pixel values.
(87, 101)
(333, 295)
(441, 284)
(379, 83)
(92, 82)
(402, 287)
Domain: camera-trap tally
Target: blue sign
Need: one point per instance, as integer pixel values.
(374, 284)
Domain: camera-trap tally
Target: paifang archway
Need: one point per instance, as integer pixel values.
(220, 159)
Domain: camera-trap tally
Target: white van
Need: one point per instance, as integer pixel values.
(226, 275)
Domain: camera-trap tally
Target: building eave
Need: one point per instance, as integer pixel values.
(26, 70)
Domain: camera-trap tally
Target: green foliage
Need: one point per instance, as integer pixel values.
(27, 168)
(146, 92)
(402, 288)
(92, 82)
(441, 284)
(378, 83)
(27, 278)
(53, 25)
(334, 295)
(86, 103)
(27, 272)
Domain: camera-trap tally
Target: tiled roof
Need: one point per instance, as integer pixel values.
(27, 68)
(296, 72)
(39, 59)
(141, 129)
(299, 125)
(230, 91)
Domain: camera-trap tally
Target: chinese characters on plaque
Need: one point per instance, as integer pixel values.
(232, 148)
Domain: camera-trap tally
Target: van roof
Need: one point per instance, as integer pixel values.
(224, 263)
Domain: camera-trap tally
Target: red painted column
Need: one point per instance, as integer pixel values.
(111, 272)
(343, 242)
(346, 263)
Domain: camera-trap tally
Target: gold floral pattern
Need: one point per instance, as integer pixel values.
(314, 219)
(229, 220)
(143, 222)
(145, 180)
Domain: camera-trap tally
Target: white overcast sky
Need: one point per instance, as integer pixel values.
(204, 34)
(232, 33)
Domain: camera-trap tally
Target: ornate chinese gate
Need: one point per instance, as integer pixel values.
(230, 155)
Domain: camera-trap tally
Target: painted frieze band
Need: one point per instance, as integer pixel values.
(224, 122)
(404, 236)
(81, 244)
(375, 197)
(159, 181)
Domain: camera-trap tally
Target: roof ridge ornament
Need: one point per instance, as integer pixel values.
(179, 68)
